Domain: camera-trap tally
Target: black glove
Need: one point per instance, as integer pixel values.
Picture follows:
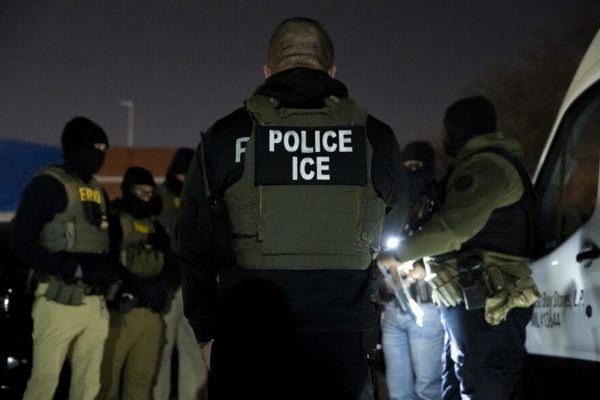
(154, 295)
(66, 270)
(98, 270)
(127, 302)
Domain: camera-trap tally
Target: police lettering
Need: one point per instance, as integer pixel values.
(239, 148)
(87, 194)
(330, 141)
(308, 167)
(305, 142)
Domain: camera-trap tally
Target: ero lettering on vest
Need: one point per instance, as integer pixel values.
(141, 228)
(87, 194)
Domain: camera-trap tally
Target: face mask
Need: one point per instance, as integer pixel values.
(139, 208)
(419, 183)
(85, 162)
(174, 184)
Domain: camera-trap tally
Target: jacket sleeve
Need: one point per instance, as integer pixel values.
(388, 176)
(171, 265)
(40, 201)
(475, 189)
(198, 276)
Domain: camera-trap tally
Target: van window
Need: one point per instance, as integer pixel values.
(568, 185)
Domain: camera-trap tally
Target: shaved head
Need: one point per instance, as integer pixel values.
(300, 42)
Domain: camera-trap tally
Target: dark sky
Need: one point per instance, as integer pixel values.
(187, 63)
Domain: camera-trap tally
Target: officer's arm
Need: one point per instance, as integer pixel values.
(198, 277)
(388, 176)
(40, 201)
(478, 187)
(162, 242)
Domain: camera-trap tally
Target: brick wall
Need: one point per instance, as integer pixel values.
(118, 159)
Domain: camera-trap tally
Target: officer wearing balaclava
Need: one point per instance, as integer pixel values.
(478, 244)
(192, 371)
(412, 350)
(134, 344)
(61, 230)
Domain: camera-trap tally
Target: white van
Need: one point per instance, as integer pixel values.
(565, 329)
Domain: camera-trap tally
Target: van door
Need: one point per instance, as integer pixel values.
(566, 320)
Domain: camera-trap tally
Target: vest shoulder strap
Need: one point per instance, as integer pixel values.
(267, 110)
(67, 180)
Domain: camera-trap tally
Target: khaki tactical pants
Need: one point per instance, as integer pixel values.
(59, 330)
(192, 370)
(131, 355)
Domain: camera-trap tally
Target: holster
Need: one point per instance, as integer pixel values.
(471, 279)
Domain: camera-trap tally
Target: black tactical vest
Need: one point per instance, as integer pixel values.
(510, 229)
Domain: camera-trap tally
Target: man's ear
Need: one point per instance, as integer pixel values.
(332, 71)
(267, 71)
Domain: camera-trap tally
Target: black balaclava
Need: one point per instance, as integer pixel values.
(467, 118)
(77, 140)
(179, 165)
(419, 181)
(130, 202)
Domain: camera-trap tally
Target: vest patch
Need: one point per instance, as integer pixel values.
(310, 156)
(463, 183)
(141, 228)
(87, 194)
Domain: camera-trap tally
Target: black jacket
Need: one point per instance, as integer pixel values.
(321, 300)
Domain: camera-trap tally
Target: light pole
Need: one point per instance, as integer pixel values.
(130, 105)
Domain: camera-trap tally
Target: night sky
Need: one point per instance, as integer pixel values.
(187, 63)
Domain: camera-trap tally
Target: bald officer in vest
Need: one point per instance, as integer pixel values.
(478, 244)
(288, 195)
(61, 231)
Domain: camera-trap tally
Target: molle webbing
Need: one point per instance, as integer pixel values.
(304, 226)
(138, 255)
(71, 230)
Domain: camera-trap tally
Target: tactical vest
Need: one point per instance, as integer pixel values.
(510, 229)
(307, 225)
(169, 216)
(72, 230)
(138, 253)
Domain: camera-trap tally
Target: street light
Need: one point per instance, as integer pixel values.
(129, 104)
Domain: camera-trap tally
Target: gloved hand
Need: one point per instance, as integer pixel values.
(98, 270)
(66, 270)
(127, 302)
(446, 290)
